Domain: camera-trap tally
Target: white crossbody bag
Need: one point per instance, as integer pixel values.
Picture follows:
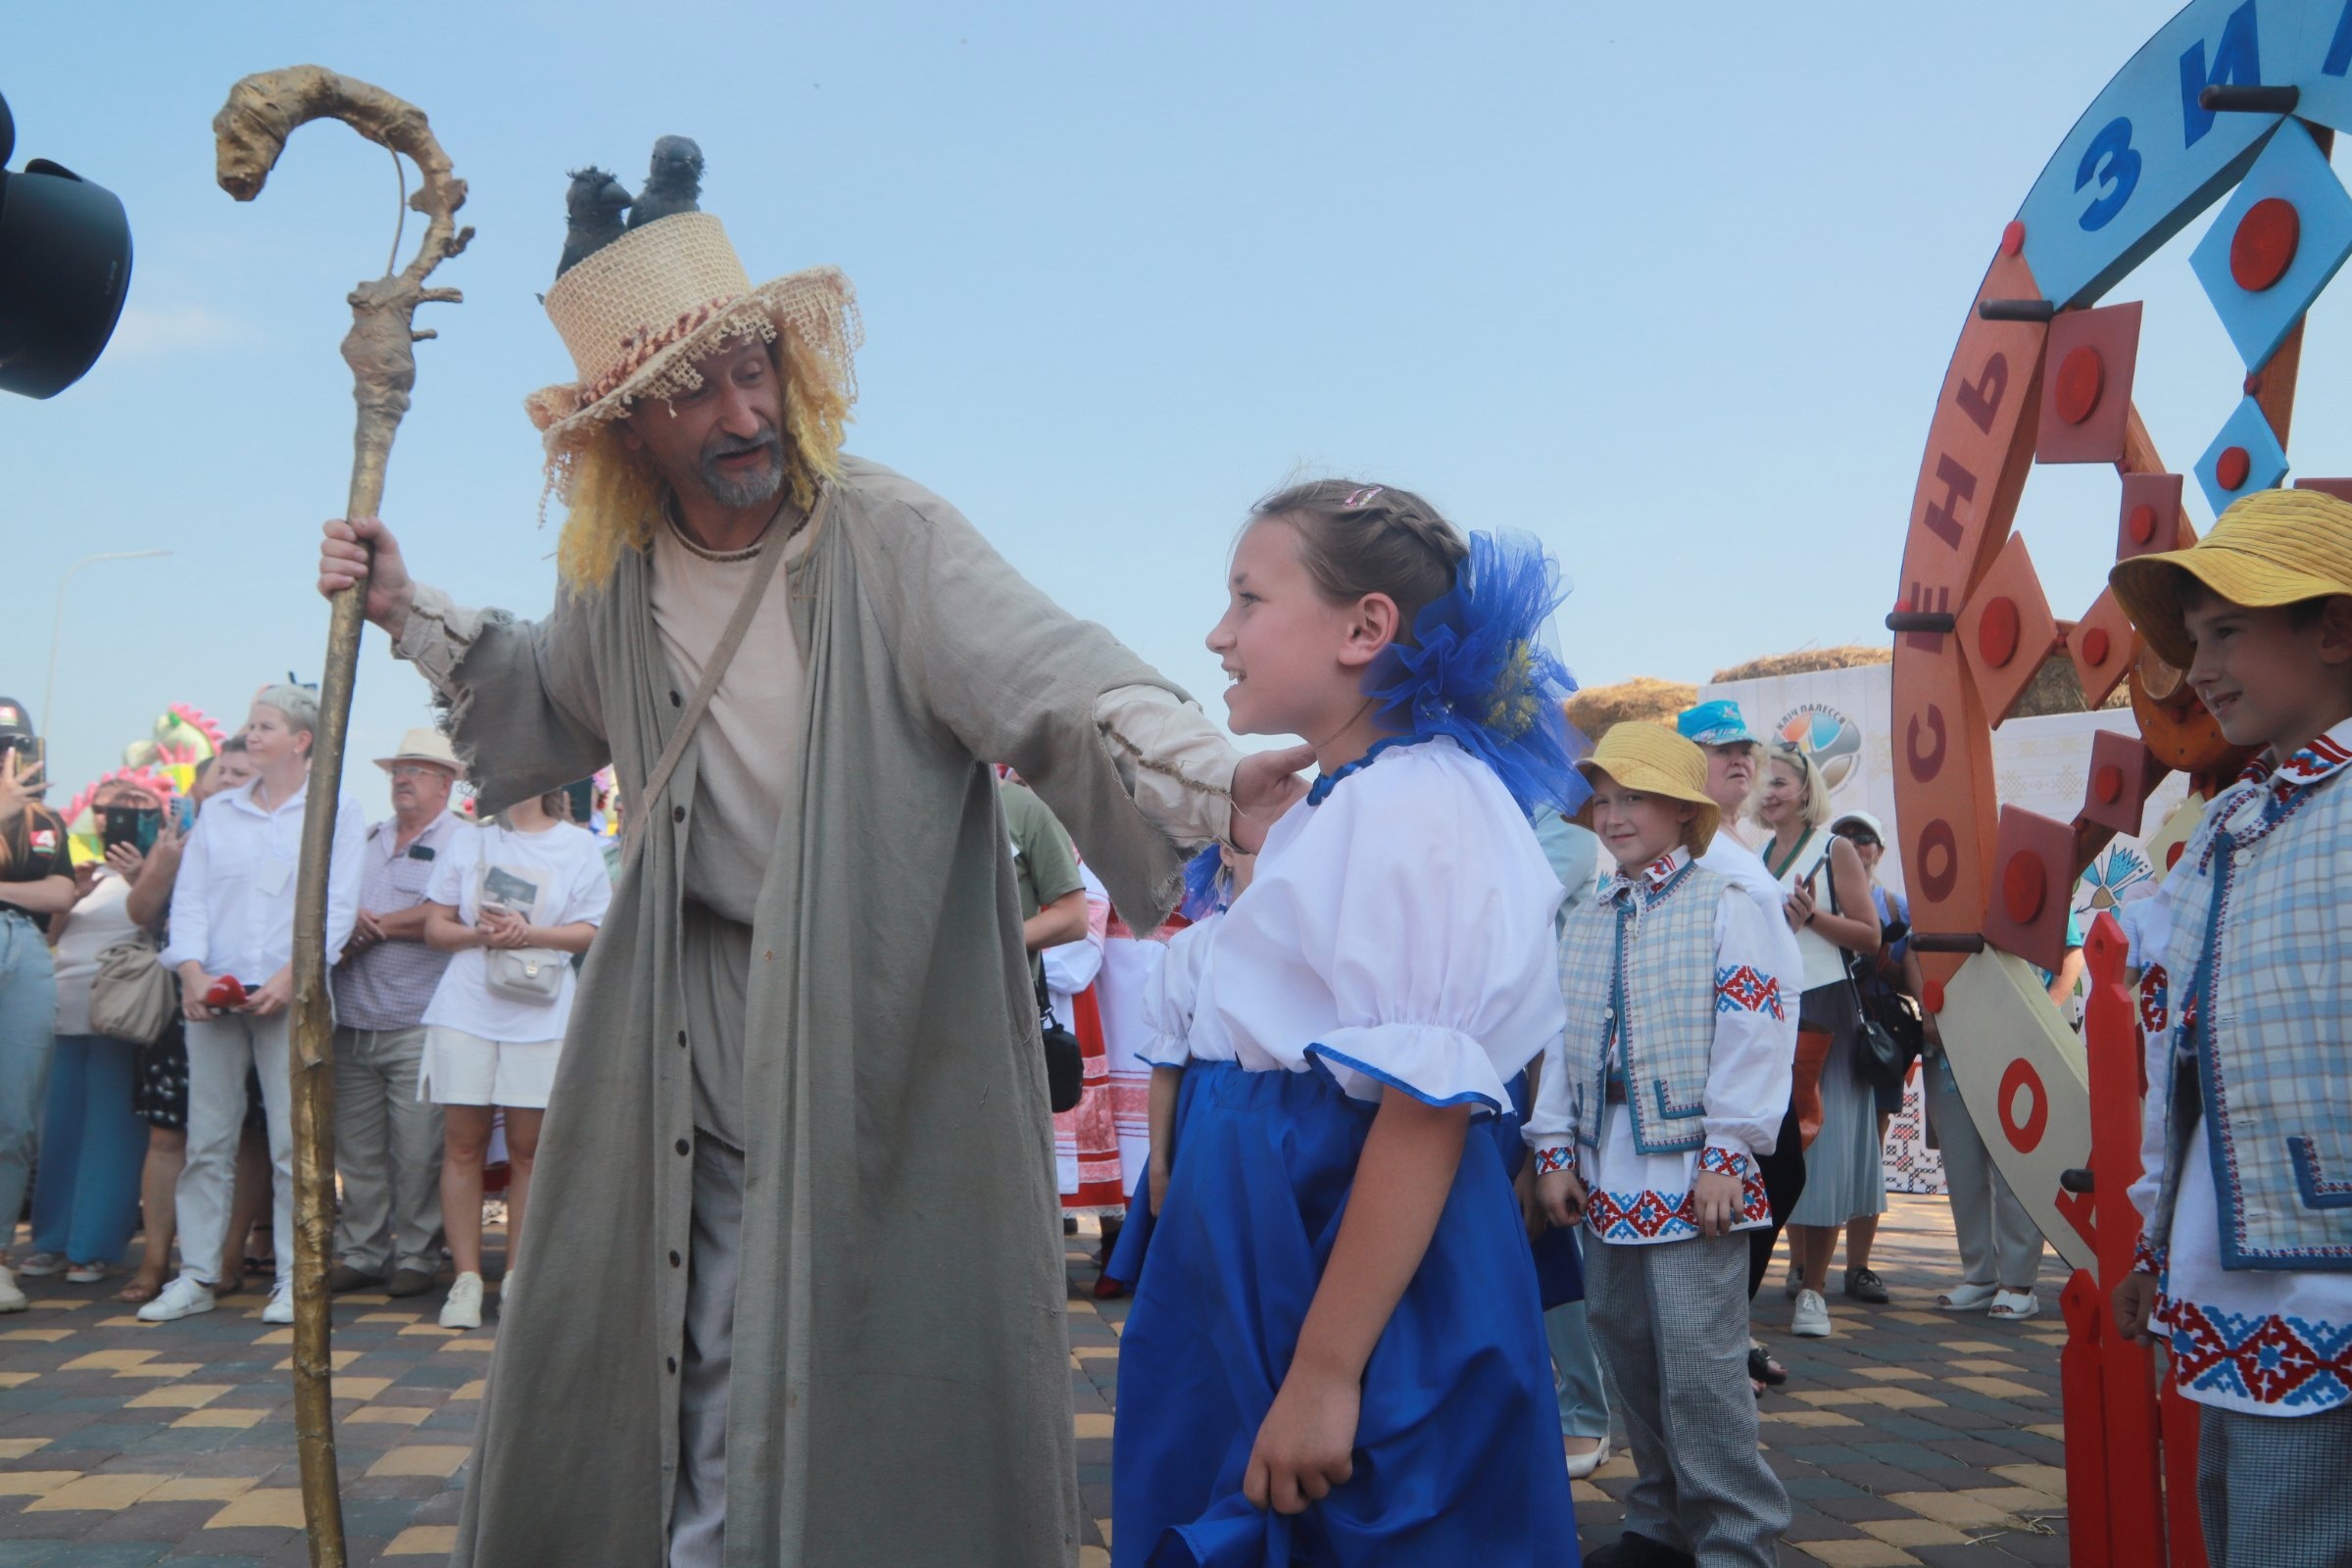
(518, 974)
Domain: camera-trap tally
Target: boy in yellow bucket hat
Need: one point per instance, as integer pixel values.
(2246, 1262)
(1652, 1112)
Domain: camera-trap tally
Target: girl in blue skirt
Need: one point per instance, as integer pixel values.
(1336, 1353)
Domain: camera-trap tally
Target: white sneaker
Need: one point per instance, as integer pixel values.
(1811, 1319)
(463, 1308)
(281, 1306)
(11, 1300)
(183, 1297)
(41, 1265)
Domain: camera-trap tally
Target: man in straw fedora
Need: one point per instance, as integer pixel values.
(800, 1223)
(387, 1139)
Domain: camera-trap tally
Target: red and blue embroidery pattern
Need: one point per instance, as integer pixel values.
(1649, 1216)
(2152, 1008)
(1550, 1160)
(2268, 1358)
(1743, 990)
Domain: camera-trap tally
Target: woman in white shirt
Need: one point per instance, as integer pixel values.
(513, 902)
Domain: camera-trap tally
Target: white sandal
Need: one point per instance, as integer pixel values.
(1967, 1298)
(2015, 1306)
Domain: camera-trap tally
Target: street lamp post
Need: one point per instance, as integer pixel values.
(56, 628)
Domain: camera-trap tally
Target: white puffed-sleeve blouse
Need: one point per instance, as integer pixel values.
(1399, 930)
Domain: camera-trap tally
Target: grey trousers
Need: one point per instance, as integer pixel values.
(220, 1054)
(387, 1151)
(1576, 1370)
(1999, 1243)
(1671, 1320)
(2270, 1489)
(698, 1519)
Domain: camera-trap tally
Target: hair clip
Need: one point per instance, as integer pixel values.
(1361, 498)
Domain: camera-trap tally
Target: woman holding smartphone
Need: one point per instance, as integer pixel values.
(36, 883)
(85, 1200)
(515, 901)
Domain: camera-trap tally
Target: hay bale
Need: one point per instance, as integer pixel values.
(1805, 660)
(1641, 698)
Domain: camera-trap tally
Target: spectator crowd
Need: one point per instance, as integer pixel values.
(146, 982)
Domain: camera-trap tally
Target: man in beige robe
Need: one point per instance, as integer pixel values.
(795, 1292)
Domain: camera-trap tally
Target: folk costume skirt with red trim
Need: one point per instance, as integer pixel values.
(1457, 1441)
(1086, 1140)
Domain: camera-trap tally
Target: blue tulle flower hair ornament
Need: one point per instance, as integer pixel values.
(1208, 885)
(1479, 671)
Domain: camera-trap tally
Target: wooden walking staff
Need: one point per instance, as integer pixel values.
(250, 132)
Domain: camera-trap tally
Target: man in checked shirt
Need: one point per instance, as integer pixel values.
(388, 1140)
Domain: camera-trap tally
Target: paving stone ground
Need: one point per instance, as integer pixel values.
(1908, 1437)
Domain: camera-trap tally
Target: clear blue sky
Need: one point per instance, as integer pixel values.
(1673, 286)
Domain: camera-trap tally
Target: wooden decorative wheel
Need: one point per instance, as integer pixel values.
(2231, 102)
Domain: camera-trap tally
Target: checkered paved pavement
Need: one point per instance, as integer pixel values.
(1908, 1437)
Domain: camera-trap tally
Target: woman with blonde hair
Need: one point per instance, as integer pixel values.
(1824, 879)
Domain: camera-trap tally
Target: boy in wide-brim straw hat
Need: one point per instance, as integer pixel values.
(1667, 1085)
(2246, 1259)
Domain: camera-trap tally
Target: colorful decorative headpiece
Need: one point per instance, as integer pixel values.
(1478, 670)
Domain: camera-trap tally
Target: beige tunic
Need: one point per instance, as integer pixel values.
(893, 1091)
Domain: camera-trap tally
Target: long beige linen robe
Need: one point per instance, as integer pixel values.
(900, 1389)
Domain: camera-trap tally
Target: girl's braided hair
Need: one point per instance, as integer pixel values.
(1359, 539)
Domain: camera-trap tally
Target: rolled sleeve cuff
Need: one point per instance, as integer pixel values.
(172, 957)
(437, 637)
(2146, 1259)
(1551, 1158)
(1178, 766)
(1437, 1067)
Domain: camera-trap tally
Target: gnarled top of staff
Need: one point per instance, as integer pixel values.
(250, 133)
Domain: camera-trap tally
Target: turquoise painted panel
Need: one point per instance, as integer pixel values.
(2266, 458)
(2293, 170)
(2145, 159)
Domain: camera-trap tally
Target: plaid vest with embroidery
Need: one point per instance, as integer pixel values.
(2261, 1024)
(1644, 960)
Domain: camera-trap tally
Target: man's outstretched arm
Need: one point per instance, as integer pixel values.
(520, 698)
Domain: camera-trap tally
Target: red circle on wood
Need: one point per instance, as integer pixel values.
(2080, 375)
(1997, 632)
(2024, 887)
(2108, 784)
(2172, 857)
(2094, 645)
(1930, 995)
(2024, 1136)
(2264, 246)
(2141, 524)
(2013, 237)
(2252, 383)
(2233, 467)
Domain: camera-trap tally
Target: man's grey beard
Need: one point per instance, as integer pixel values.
(748, 491)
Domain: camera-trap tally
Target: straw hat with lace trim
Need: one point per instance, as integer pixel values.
(637, 314)
(1655, 759)
(2275, 546)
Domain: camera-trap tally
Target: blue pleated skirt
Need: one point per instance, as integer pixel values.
(1457, 1446)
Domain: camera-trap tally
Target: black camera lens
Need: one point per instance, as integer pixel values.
(64, 268)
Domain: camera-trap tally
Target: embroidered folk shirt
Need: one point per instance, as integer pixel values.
(2238, 1199)
(1728, 962)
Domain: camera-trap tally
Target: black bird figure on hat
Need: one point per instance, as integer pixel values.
(594, 203)
(671, 184)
